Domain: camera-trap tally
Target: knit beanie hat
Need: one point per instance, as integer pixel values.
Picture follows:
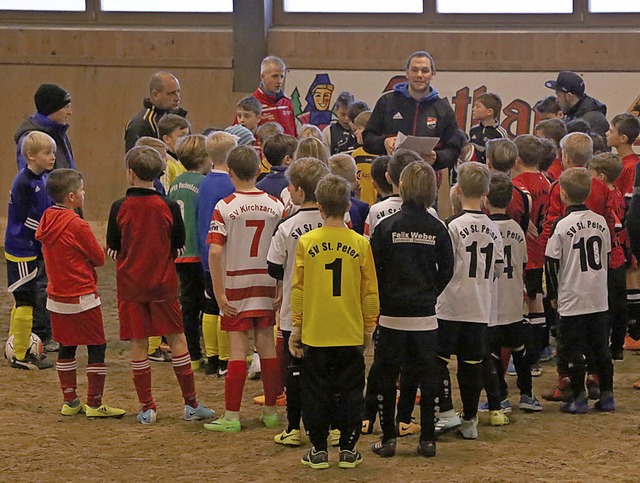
(244, 135)
(50, 98)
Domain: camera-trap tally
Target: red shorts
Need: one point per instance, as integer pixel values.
(139, 320)
(244, 323)
(83, 328)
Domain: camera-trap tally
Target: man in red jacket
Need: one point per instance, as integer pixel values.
(275, 105)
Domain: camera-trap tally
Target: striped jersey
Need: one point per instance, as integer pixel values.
(282, 252)
(511, 282)
(477, 246)
(246, 220)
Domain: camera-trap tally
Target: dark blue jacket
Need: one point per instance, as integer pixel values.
(38, 122)
(358, 212)
(274, 182)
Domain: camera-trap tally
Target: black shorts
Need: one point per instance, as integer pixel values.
(210, 302)
(21, 276)
(510, 336)
(533, 282)
(464, 339)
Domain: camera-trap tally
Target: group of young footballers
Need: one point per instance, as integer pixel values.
(234, 251)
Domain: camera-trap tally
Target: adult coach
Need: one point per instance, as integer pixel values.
(275, 105)
(53, 109)
(164, 97)
(415, 108)
(575, 104)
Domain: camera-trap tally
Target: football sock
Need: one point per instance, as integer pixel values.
(154, 343)
(21, 330)
(96, 376)
(67, 375)
(470, 383)
(234, 385)
(523, 370)
(283, 361)
(184, 374)
(408, 390)
(294, 403)
(13, 314)
(444, 401)
(270, 380)
(142, 383)
(210, 334)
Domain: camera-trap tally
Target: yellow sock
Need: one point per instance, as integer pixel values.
(154, 343)
(13, 314)
(21, 324)
(223, 342)
(210, 334)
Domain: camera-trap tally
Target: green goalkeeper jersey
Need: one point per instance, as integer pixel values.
(184, 191)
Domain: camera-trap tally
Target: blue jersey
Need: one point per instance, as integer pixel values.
(28, 200)
(214, 187)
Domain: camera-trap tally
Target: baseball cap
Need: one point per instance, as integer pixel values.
(567, 81)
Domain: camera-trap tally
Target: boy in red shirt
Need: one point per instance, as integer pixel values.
(145, 234)
(71, 252)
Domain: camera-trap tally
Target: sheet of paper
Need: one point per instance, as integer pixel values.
(421, 145)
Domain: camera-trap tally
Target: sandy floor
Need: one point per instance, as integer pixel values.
(39, 444)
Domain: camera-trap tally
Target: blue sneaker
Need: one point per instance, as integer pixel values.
(547, 354)
(511, 369)
(529, 403)
(147, 417)
(606, 404)
(575, 407)
(196, 414)
(505, 405)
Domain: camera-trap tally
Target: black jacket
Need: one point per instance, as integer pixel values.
(414, 262)
(145, 123)
(592, 111)
(431, 116)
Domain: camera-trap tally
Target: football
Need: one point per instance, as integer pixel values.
(35, 347)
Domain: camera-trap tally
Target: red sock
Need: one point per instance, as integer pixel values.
(270, 380)
(96, 375)
(234, 384)
(142, 382)
(67, 374)
(184, 374)
(283, 361)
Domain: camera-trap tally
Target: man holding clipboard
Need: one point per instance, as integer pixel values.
(414, 108)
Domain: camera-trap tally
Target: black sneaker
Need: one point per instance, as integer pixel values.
(427, 448)
(617, 355)
(384, 450)
(318, 460)
(222, 368)
(210, 366)
(159, 355)
(32, 362)
(349, 458)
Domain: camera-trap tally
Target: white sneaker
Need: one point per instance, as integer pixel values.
(469, 428)
(254, 371)
(446, 422)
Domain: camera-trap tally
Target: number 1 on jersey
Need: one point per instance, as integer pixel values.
(336, 269)
(255, 243)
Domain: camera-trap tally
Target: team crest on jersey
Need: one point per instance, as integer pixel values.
(431, 122)
(398, 116)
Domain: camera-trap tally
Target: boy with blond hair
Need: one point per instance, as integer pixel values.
(215, 186)
(334, 307)
(345, 166)
(239, 241)
(71, 252)
(28, 200)
(145, 234)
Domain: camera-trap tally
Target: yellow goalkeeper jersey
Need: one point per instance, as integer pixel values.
(334, 295)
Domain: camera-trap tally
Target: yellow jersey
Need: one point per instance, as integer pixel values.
(363, 165)
(174, 169)
(334, 294)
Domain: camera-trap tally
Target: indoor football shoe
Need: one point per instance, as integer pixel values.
(222, 368)
(547, 354)
(147, 417)
(32, 362)
(159, 355)
(505, 406)
(318, 460)
(71, 408)
(593, 387)
(349, 458)
(536, 370)
(606, 404)
(469, 428)
(104, 411)
(511, 369)
(197, 414)
(446, 423)
(334, 437)
(223, 425)
(281, 400)
(498, 418)
(210, 365)
(427, 448)
(384, 450)
(271, 421)
(560, 392)
(529, 403)
(636, 385)
(288, 438)
(407, 429)
(575, 407)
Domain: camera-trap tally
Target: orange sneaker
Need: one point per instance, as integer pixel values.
(281, 400)
(636, 385)
(561, 391)
(631, 345)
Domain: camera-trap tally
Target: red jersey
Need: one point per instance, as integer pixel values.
(277, 108)
(145, 233)
(625, 181)
(70, 251)
(556, 169)
(519, 209)
(597, 202)
(616, 207)
(537, 186)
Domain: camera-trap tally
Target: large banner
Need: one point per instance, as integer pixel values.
(313, 93)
